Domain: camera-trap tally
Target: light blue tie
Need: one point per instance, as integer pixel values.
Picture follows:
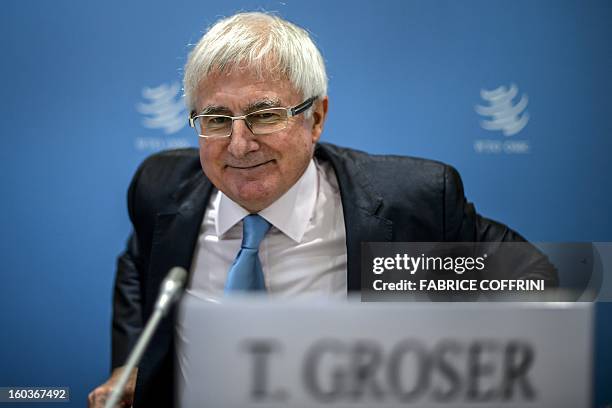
(246, 273)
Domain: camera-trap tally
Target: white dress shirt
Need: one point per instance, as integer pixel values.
(304, 253)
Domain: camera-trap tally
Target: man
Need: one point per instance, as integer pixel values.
(257, 91)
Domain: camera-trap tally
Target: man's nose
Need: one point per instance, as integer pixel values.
(242, 140)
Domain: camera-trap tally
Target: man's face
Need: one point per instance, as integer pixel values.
(255, 171)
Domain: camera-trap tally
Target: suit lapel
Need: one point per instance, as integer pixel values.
(174, 239)
(361, 205)
(176, 231)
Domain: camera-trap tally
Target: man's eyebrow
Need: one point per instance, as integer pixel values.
(262, 104)
(216, 110)
(251, 107)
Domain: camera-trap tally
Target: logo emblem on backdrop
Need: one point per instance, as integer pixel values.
(163, 110)
(505, 116)
(503, 113)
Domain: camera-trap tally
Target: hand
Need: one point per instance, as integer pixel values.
(97, 398)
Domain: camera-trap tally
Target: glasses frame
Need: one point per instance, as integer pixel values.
(291, 111)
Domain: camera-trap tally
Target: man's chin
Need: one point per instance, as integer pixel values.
(254, 197)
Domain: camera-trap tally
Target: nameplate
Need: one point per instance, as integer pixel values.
(261, 353)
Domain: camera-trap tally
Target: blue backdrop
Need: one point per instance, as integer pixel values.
(87, 86)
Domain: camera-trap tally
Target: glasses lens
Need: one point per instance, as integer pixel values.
(267, 120)
(214, 126)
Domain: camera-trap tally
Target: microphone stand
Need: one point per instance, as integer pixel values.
(170, 290)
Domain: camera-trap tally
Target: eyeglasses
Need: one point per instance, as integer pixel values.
(260, 122)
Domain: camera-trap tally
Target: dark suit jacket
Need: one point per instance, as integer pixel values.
(384, 198)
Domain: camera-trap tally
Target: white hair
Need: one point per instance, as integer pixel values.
(263, 42)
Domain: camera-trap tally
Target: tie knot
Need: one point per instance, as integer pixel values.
(254, 227)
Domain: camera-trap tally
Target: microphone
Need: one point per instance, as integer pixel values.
(170, 289)
(169, 292)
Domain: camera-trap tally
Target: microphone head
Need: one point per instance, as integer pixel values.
(177, 276)
(171, 288)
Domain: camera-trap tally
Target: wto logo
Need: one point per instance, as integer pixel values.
(164, 109)
(505, 116)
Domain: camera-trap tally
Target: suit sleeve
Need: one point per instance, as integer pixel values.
(127, 308)
(517, 258)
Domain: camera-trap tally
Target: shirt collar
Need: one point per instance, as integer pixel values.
(290, 213)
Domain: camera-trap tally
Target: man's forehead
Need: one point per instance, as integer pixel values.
(243, 92)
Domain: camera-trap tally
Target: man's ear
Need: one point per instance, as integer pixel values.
(319, 113)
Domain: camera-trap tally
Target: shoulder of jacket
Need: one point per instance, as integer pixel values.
(168, 164)
(382, 164)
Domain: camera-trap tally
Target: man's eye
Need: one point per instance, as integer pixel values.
(265, 117)
(217, 121)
